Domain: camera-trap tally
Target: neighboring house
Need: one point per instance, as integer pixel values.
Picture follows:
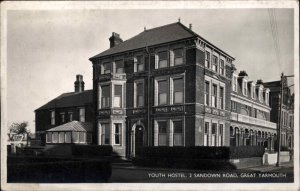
(250, 117)
(72, 106)
(168, 86)
(287, 120)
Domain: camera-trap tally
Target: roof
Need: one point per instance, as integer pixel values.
(159, 35)
(274, 86)
(70, 99)
(73, 126)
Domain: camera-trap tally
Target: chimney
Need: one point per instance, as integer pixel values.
(115, 39)
(190, 27)
(79, 83)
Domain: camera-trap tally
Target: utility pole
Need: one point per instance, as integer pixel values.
(279, 121)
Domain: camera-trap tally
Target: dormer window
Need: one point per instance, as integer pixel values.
(245, 88)
(267, 97)
(260, 95)
(234, 83)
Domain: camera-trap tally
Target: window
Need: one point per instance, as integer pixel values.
(215, 63)
(162, 59)
(222, 67)
(62, 117)
(81, 137)
(178, 56)
(119, 66)
(267, 98)
(68, 137)
(118, 96)
(178, 90)
(75, 137)
(70, 116)
(233, 106)
(107, 68)
(105, 99)
(214, 96)
(245, 88)
(162, 133)
(253, 92)
(61, 137)
(206, 131)
(105, 134)
(220, 135)
(234, 83)
(82, 114)
(118, 133)
(221, 97)
(139, 63)
(140, 94)
(213, 134)
(206, 101)
(52, 114)
(207, 59)
(55, 137)
(49, 137)
(162, 92)
(178, 137)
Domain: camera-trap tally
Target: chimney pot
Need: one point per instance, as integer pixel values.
(79, 83)
(190, 26)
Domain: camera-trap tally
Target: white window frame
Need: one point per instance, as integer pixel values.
(62, 117)
(119, 134)
(100, 96)
(158, 59)
(208, 60)
(136, 63)
(121, 98)
(206, 134)
(214, 142)
(253, 91)
(222, 69)
(182, 132)
(115, 66)
(221, 134)
(214, 97)
(103, 71)
(166, 133)
(182, 49)
(223, 97)
(102, 135)
(157, 80)
(234, 82)
(207, 93)
(216, 65)
(245, 87)
(171, 97)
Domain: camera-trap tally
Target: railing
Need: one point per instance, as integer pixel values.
(252, 120)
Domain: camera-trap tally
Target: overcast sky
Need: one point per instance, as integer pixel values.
(46, 49)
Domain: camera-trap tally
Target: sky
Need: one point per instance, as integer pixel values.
(46, 49)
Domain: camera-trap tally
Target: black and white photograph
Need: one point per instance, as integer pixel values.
(128, 95)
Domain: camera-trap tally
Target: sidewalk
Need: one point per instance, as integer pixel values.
(267, 168)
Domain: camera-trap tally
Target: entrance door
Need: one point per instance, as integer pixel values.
(138, 137)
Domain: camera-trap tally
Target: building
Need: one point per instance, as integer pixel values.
(287, 119)
(72, 106)
(250, 113)
(168, 86)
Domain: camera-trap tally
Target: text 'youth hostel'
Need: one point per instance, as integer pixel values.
(168, 86)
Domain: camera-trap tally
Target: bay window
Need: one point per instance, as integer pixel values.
(178, 56)
(75, 137)
(117, 133)
(213, 134)
(221, 135)
(215, 63)
(178, 90)
(178, 135)
(162, 59)
(206, 101)
(107, 68)
(61, 137)
(55, 137)
(119, 66)
(214, 96)
(105, 134)
(81, 137)
(221, 98)
(162, 133)
(162, 92)
(222, 67)
(105, 96)
(49, 137)
(118, 96)
(68, 137)
(206, 133)
(207, 59)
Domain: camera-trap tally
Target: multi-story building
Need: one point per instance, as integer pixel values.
(250, 113)
(287, 112)
(166, 86)
(71, 106)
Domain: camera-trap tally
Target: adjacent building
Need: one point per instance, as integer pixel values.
(71, 106)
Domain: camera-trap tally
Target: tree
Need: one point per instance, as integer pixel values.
(19, 129)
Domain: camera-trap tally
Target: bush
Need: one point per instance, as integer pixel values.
(246, 152)
(91, 150)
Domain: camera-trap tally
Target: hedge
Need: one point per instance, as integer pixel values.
(91, 150)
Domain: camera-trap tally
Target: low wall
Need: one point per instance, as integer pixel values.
(271, 158)
(246, 162)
